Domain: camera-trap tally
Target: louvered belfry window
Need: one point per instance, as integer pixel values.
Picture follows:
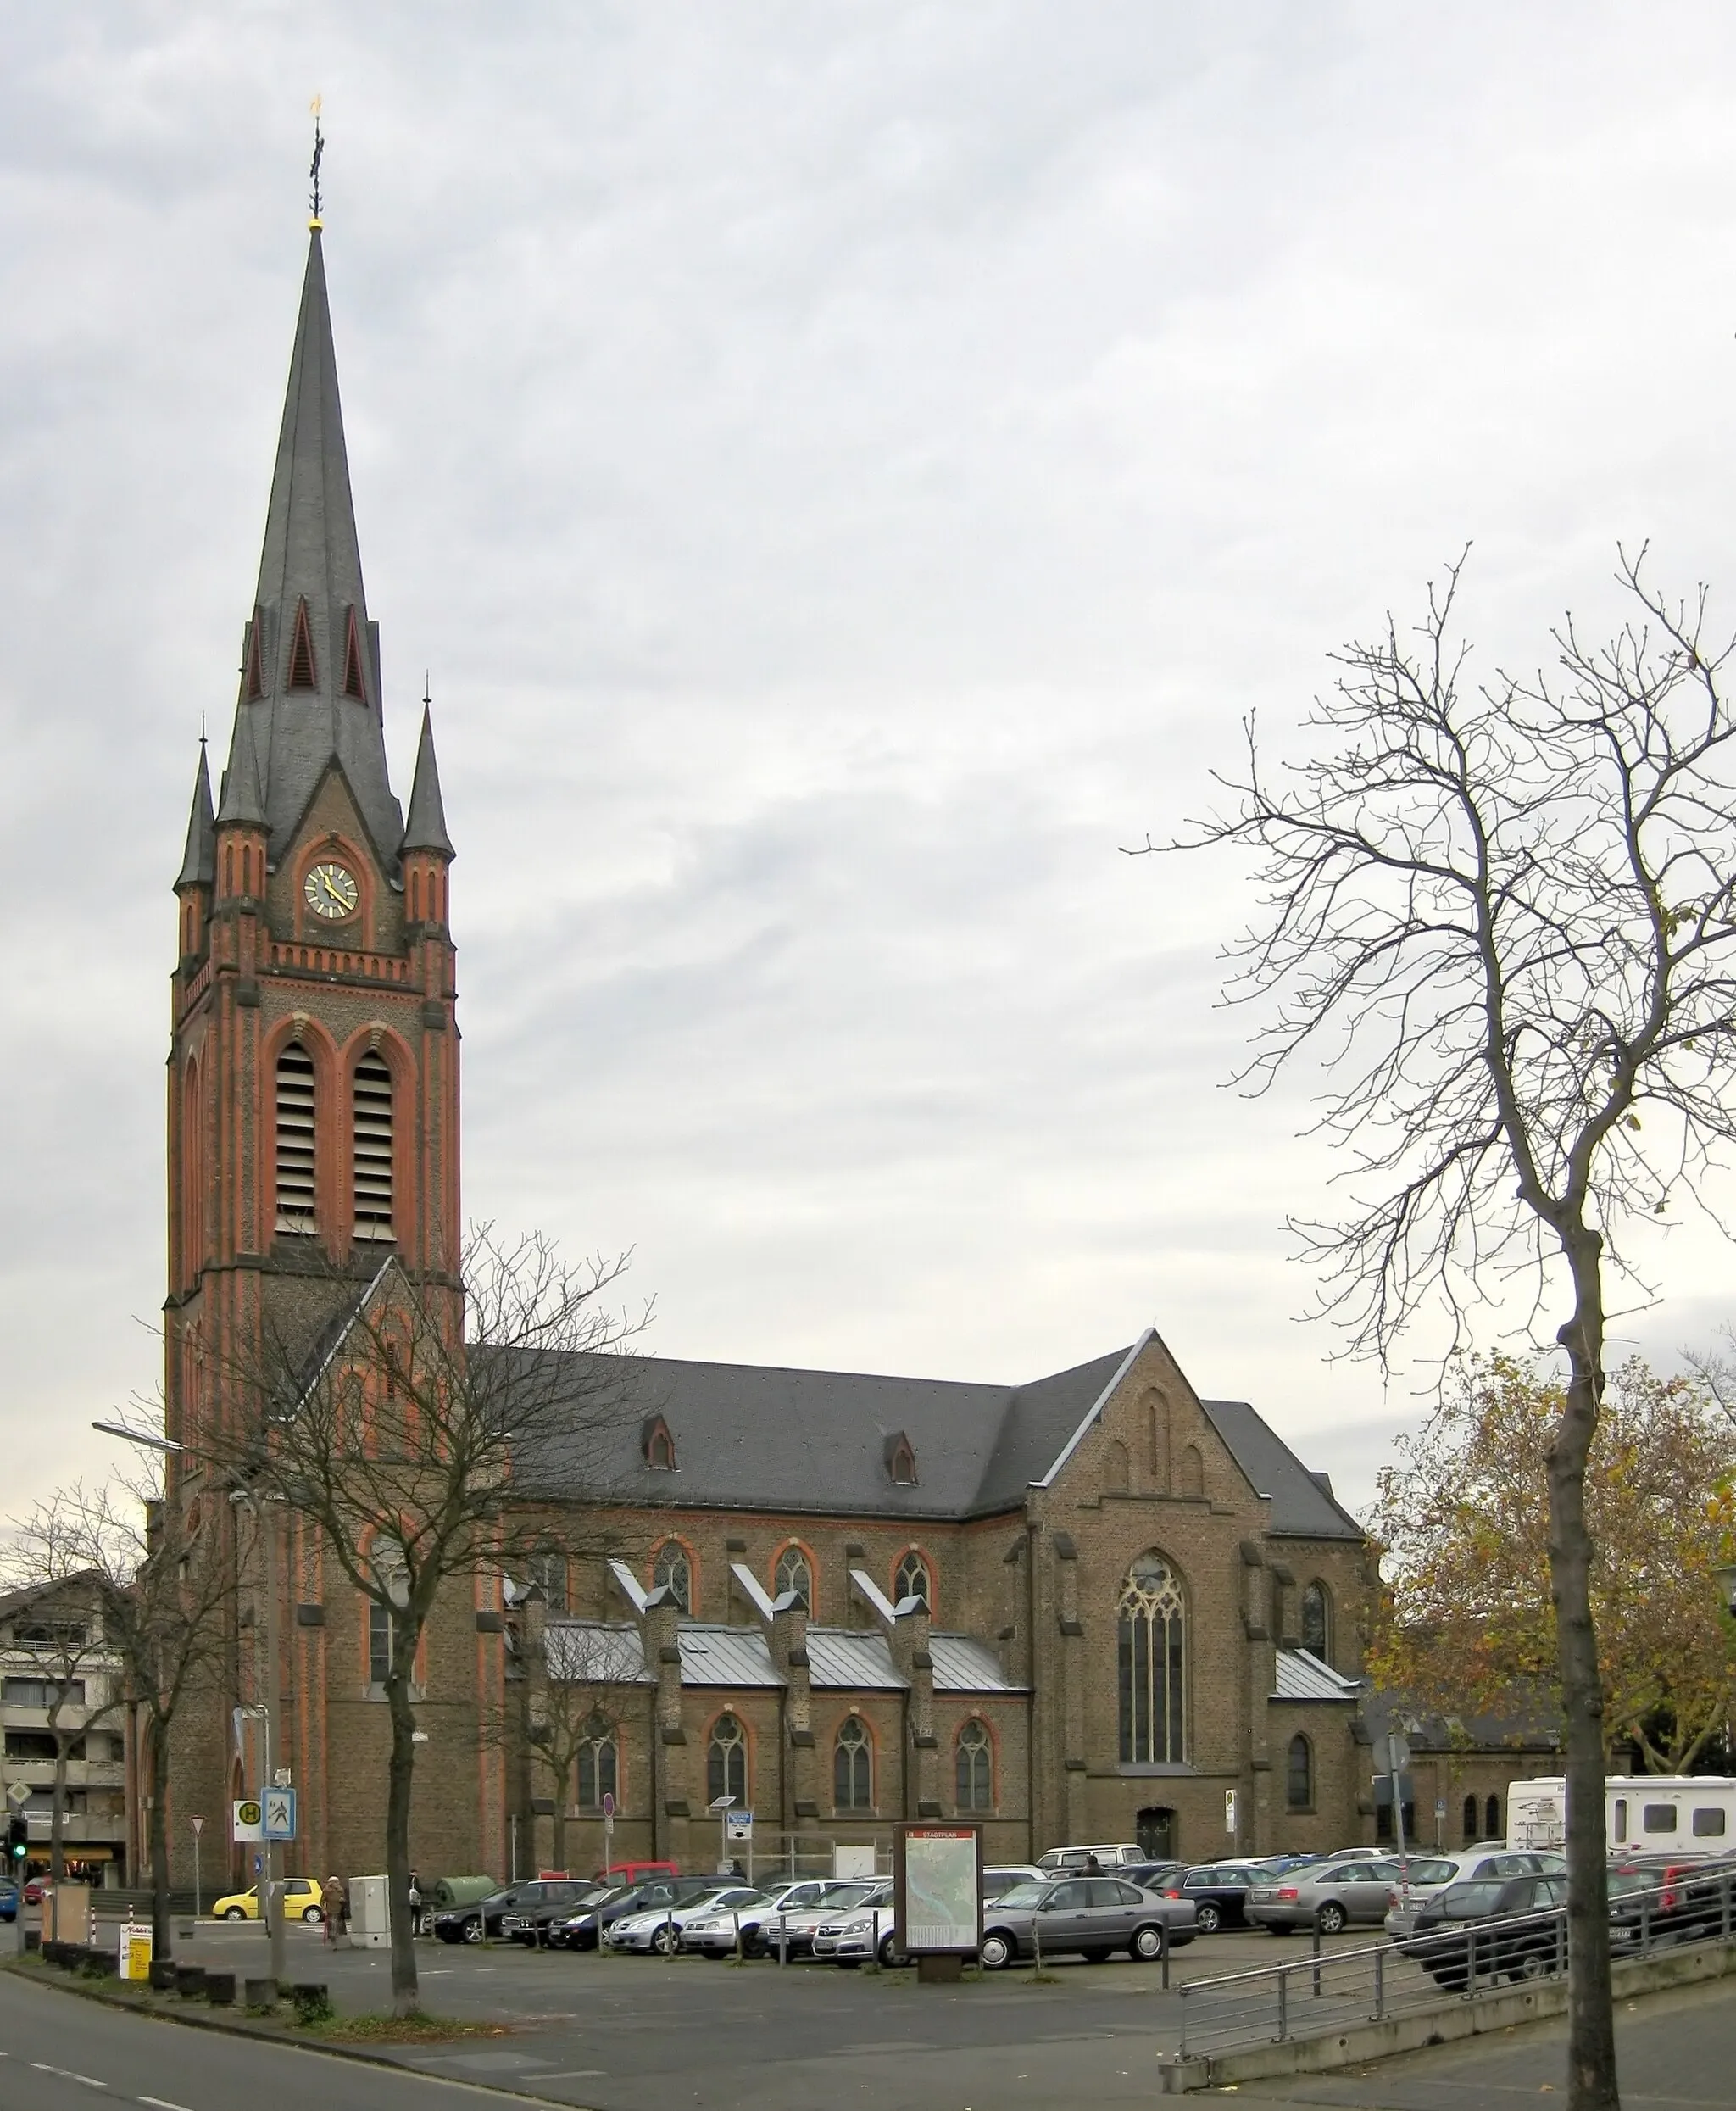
(295, 1139)
(373, 1148)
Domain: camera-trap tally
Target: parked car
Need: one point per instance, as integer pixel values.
(859, 1918)
(301, 1901)
(794, 1924)
(659, 1928)
(585, 1929)
(8, 1900)
(1666, 1897)
(636, 1871)
(529, 1921)
(1112, 1856)
(1149, 1876)
(711, 1932)
(1086, 1916)
(1218, 1892)
(37, 1889)
(472, 1923)
(1330, 1895)
(1462, 1926)
(1468, 1865)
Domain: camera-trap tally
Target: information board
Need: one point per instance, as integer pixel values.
(938, 1890)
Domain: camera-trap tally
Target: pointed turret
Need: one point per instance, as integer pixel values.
(243, 804)
(425, 830)
(311, 665)
(198, 867)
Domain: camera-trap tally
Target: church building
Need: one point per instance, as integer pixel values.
(1093, 1606)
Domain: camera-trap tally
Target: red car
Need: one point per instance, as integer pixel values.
(37, 1889)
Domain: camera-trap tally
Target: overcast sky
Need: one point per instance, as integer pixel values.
(849, 469)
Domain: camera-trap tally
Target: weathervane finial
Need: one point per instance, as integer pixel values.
(315, 223)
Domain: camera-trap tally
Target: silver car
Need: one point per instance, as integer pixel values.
(712, 1933)
(1083, 1916)
(794, 1928)
(1330, 1895)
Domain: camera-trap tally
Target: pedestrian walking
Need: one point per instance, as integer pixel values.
(415, 1904)
(334, 1903)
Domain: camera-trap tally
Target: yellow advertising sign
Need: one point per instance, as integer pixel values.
(135, 1951)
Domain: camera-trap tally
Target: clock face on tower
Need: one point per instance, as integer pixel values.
(330, 892)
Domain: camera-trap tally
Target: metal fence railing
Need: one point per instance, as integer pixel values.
(1329, 1991)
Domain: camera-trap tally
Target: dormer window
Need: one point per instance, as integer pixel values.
(303, 674)
(900, 1461)
(658, 1444)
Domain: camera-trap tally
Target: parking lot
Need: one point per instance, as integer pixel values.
(638, 2034)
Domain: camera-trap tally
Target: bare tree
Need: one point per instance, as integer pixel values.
(577, 1676)
(161, 1595)
(1500, 922)
(417, 1442)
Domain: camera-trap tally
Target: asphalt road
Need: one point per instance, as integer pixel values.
(61, 2052)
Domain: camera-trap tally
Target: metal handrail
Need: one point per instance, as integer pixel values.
(1369, 1983)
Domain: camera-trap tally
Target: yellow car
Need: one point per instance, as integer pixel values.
(301, 1901)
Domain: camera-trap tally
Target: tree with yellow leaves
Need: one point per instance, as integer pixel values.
(1466, 1620)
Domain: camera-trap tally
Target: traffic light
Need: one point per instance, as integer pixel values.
(18, 1834)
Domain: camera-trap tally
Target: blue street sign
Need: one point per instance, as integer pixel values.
(279, 1813)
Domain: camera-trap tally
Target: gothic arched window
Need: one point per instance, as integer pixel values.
(912, 1580)
(1492, 1818)
(673, 1571)
(794, 1573)
(599, 1768)
(372, 1109)
(1470, 1820)
(974, 1767)
(852, 1767)
(549, 1574)
(727, 1762)
(1151, 1665)
(1317, 1622)
(1299, 1775)
(295, 1139)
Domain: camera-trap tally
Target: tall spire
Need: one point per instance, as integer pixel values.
(198, 867)
(312, 657)
(426, 829)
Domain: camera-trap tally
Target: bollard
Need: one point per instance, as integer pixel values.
(1380, 1985)
(162, 1975)
(783, 1940)
(737, 1918)
(1037, 1941)
(1283, 2004)
(669, 1928)
(1163, 1954)
(220, 1989)
(189, 1981)
(259, 1993)
(1316, 1960)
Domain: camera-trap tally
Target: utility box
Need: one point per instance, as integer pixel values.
(369, 1912)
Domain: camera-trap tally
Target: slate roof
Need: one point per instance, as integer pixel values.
(754, 1437)
(851, 1659)
(426, 829)
(1302, 1676)
(311, 554)
(198, 864)
(1303, 1505)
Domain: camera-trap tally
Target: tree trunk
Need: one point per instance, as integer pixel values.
(405, 1992)
(57, 1815)
(1591, 2038)
(558, 1859)
(161, 1946)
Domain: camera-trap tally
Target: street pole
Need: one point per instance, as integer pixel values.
(272, 1901)
(198, 1889)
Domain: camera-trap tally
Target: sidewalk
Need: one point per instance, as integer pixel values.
(1676, 2053)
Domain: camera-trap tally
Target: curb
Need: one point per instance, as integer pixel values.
(259, 2033)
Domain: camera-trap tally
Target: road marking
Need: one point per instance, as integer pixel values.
(66, 2073)
(574, 2073)
(162, 2103)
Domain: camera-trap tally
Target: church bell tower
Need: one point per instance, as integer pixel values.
(313, 1071)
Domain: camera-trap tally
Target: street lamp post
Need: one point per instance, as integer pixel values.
(271, 1891)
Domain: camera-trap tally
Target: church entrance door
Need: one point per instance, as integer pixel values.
(1156, 1830)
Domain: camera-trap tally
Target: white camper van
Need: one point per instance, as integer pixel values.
(1642, 1812)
